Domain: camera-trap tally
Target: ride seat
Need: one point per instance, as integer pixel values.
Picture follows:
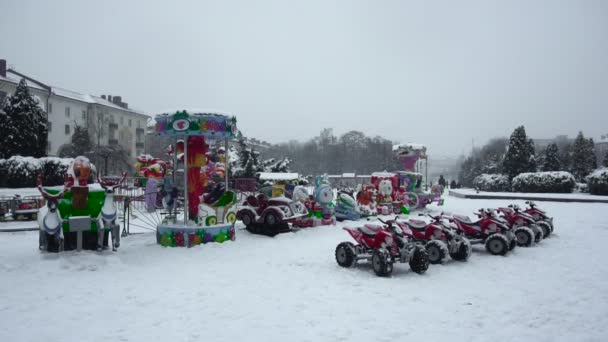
(369, 229)
(252, 201)
(466, 220)
(417, 224)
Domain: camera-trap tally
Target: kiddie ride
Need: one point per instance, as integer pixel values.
(438, 239)
(78, 216)
(391, 192)
(383, 246)
(320, 206)
(489, 230)
(267, 215)
(525, 228)
(208, 213)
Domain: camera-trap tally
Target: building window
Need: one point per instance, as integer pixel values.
(48, 146)
(122, 120)
(49, 126)
(84, 115)
(67, 112)
(129, 122)
(67, 129)
(2, 96)
(138, 124)
(50, 107)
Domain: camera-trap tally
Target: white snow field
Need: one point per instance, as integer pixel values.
(289, 288)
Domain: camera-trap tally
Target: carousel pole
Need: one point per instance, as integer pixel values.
(226, 161)
(185, 179)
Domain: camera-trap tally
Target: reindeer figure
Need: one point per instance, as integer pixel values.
(109, 214)
(51, 223)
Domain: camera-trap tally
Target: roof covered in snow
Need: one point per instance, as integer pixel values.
(58, 91)
(410, 146)
(279, 175)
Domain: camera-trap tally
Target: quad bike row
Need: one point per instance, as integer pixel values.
(420, 243)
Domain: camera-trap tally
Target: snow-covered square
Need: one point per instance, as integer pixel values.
(290, 288)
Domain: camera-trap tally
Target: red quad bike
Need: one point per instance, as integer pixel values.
(383, 246)
(541, 218)
(523, 225)
(438, 239)
(489, 230)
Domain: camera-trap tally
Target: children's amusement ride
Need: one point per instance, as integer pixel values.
(321, 207)
(397, 192)
(207, 212)
(79, 216)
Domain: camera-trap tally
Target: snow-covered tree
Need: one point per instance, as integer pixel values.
(80, 144)
(551, 160)
(273, 165)
(605, 162)
(583, 157)
(248, 159)
(23, 125)
(519, 157)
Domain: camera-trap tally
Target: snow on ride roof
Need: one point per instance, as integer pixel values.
(383, 174)
(195, 111)
(411, 146)
(279, 175)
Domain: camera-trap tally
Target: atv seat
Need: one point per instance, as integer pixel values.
(417, 224)
(465, 219)
(369, 229)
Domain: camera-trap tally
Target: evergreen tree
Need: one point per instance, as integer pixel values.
(583, 157)
(23, 125)
(591, 154)
(519, 157)
(551, 160)
(80, 145)
(605, 163)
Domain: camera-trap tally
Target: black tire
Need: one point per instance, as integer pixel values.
(512, 244)
(345, 255)
(524, 236)
(157, 236)
(538, 234)
(382, 263)
(42, 241)
(496, 244)
(546, 228)
(247, 219)
(270, 219)
(464, 251)
(436, 251)
(419, 262)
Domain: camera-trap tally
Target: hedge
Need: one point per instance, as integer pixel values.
(597, 182)
(492, 182)
(544, 182)
(21, 172)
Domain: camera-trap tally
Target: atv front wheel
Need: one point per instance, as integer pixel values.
(419, 262)
(437, 251)
(345, 255)
(382, 263)
(464, 251)
(497, 244)
(524, 236)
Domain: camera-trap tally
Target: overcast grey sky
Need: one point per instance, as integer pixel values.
(433, 72)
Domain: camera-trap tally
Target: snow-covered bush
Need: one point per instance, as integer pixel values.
(550, 181)
(598, 182)
(21, 172)
(491, 182)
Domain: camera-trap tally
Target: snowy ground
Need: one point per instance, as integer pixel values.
(289, 288)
